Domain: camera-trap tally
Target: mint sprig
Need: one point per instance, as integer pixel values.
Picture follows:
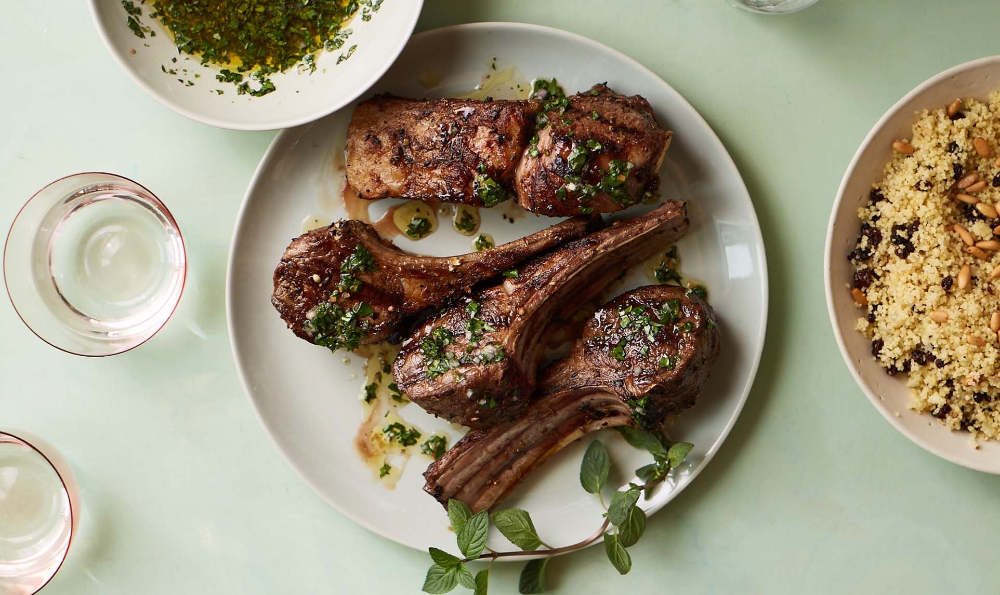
(625, 519)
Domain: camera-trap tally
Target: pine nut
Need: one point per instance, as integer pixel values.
(953, 107)
(996, 230)
(315, 278)
(964, 276)
(997, 162)
(965, 235)
(938, 316)
(986, 210)
(995, 322)
(968, 180)
(982, 147)
(977, 187)
(977, 252)
(988, 245)
(975, 340)
(902, 147)
(967, 198)
(859, 297)
(995, 272)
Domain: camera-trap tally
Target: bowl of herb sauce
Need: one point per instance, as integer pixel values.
(255, 64)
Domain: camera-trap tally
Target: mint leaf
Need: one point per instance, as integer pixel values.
(472, 535)
(678, 452)
(632, 529)
(647, 473)
(617, 554)
(440, 580)
(533, 576)
(595, 467)
(465, 576)
(458, 513)
(443, 559)
(482, 582)
(621, 505)
(517, 527)
(643, 440)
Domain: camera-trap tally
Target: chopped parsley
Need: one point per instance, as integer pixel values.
(489, 191)
(371, 388)
(435, 446)
(511, 274)
(472, 308)
(403, 435)
(347, 54)
(360, 261)
(466, 221)
(618, 352)
(396, 394)
(384, 470)
(483, 242)
(433, 347)
(228, 76)
(668, 362)
(492, 353)
(418, 227)
(552, 95)
(698, 290)
(336, 328)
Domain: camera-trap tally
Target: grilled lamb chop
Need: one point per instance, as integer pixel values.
(345, 286)
(475, 363)
(601, 153)
(454, 150)
(643, 356)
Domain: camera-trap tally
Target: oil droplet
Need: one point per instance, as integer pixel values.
(415, 219)
(483, 241)
(312, 222)
(466, 220)
(503, 83)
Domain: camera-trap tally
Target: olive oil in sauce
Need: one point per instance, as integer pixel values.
(415, 219)
(312, 222)
(665, 269)
(500, 83)
(483, 241)
(466, 220)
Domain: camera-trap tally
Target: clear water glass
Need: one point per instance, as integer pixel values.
(39, 513)
(94, 264)
(773, 6)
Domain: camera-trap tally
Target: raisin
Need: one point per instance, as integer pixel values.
(905, 250)
(940, 363)
(947, 282)
(957, 168)
(876, 195)
(942, 411)
(920, 357)
(952, 147)
(877, 346)
(863, 278)
(923, 185)
(950, 382)
(957, 116)
(871, 313)
(981, 397)
(996, 180)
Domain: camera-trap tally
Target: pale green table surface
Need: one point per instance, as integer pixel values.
(812, 493)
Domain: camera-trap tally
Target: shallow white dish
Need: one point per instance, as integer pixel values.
(889, 394)
(304, 394)
(299, 97)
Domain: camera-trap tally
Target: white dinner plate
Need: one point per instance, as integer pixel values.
(307, 398)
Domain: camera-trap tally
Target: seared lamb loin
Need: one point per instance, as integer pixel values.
(345, 286)
(643, 356)
(475, 363)
(599, 153)
(454, 150)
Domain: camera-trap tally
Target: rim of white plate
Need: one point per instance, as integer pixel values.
(709, 455)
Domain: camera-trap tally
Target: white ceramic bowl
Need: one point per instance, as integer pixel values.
(299, 97)
(889, 394)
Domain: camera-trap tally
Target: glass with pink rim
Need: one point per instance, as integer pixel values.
(39, 512)
(94, 264)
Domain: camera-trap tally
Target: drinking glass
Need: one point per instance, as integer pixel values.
(773, 6)
(94, 264)
(39, 513)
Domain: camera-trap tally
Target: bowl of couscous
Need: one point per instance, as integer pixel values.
(913, 265)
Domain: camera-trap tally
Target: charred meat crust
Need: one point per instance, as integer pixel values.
(435, 149)
(401, 285)
(588, 390)
(472, 386)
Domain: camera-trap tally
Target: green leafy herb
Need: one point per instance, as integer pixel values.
(533, 146)
(532, 579)
(370, 392)
(622, 504)
(472, 536)
(435, 446)
(644, 441)
(595, 115)
(466, 222)
(595, 467)
(491, 354)
(632, 528)
(482, 582)
(516, 526)
(396, 394)
(482, 243)
(698, 290)
(347, 54)
(552, 95)
(336, 328)
(577, 157)
(384, 470)
(678, 452)
(618, 352)
(418, 227)
(360, 261)
(668, 362)
(487, 190)
(458, 514)
(620, 558)
(511, 274)
(433, 347)
(401, 434)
